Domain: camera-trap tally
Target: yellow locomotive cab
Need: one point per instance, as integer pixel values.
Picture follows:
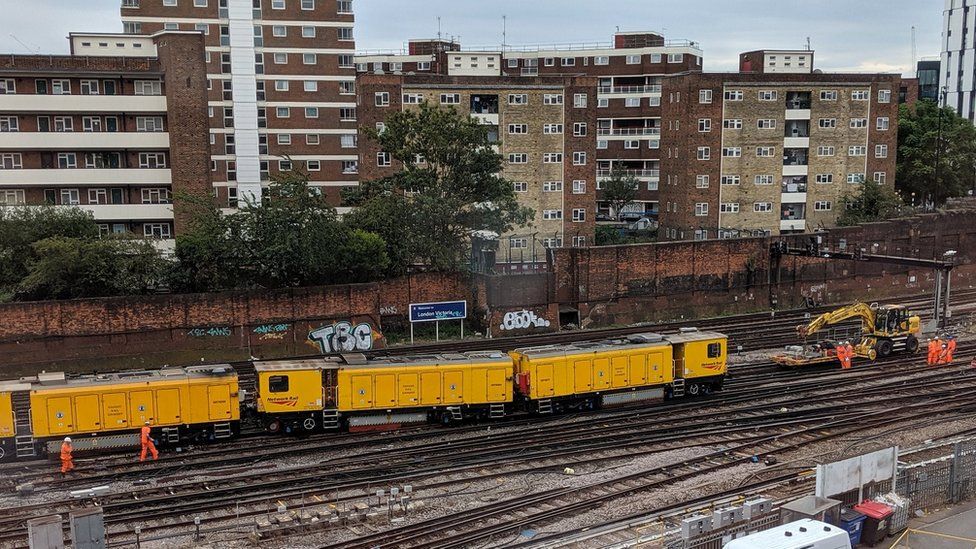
(292, 386)
(699, 354)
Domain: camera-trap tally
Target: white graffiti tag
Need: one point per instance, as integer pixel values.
(518, 320)
(342, 337)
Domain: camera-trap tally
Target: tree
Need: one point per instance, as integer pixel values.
(449, 186)
(620, 189)
(874, 202)
(918, 132)
(292, 238)
(65, 268)
(21, 227)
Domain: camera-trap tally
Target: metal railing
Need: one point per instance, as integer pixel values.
(555, 47)
(649, 88)
(628, 131)
(634, 173)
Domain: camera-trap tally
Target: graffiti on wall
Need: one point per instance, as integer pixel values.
(213, 331)
(266, 332)
(344, 337)
(520, 320)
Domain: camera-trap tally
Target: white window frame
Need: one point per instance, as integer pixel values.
(701, 209)
(518, 129)
(704, 96)
(702, 181)
(704, 153)
(381, 99)
(579, 186)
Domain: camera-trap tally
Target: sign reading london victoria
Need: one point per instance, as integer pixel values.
(443, 310)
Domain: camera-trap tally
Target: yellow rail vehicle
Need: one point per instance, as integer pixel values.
(382, 393)
(108, 410)
(643, 367)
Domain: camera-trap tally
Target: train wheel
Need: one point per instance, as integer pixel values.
(3, 453)
(309, 424)
(694, 389)
(274, 426)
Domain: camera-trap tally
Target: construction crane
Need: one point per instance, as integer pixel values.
(884, 328)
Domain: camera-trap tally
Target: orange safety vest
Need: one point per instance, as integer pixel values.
(145, 434)
(66, 450)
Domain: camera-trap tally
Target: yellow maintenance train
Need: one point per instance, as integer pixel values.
(213, 402)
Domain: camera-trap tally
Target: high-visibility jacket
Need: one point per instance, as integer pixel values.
(66, 450)
(144, 437)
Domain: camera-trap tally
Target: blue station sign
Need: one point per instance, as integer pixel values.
(442, 310)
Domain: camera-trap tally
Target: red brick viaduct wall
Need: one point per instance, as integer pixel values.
(598, 286)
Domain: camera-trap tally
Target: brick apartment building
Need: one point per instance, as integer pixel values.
(282, 87)
(544, 129)
(115, 128)
(760, 153)
(629, 72)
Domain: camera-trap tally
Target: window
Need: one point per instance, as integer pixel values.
(413, 98)
(347, 114)
(701, 181)
(825, 178)
(67, 161)
(552, 214)
(91, 123)
(857, 150)
(552, 158)
(350, 167)
(308, 32)
(632, 144)
(284, 139)
(149, 123)
(828, 123)
(733, 95)
(11, 197)
(549, 62)
(279, 30)
(880, 177)
(763, 180)
(383, 159)
(308, 4)
(97, 196)
(63, 124)
(632, 102)
(148, 87)
(129, 27)
(729, 207)
(7, 86)
(312, 139)
(280, 58)
(655, 58)
(704, 153)
(732, 152)
(884, 96)
(859, 95)
(382, 99)
(281, 85)
(732, 123)
(882, 123)
(579, 186)
(512, 63)
(170, 3)
(828, 95)
(701, 209)
(70, 197)
(633, 59)
(579, 100)
(579, 129)
(552, 242)
(568, 61)
(552, 187)
(518, 243)
(518, 128)
(855, 178)
(601, 60)
(579, 215)
(11, 161)
(767, 95)
(675, 57)
(552, 128)
(762, 207)
(345, 6)
(859, 122)
(283, 112)
(450, 98)
(311, 85)
(61, 87)
(152, 160)
(552, 99)
(309, 58)
(730, 179)
(579, 241)
(704, 96)
(520, 186)
(881, 151)
(579, 158)
(602, 144)
(704, 124)
(347, 141)
(199, 3)
(518, 99)
(345, 33)
(602, 102)
(766, 124)
(518, 158)
(9, 124)
(313, 165)
(89, 87)
(311, 112)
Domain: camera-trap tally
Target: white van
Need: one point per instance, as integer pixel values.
(802, 534)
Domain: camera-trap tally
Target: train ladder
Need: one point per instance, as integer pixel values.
(24, 432)
(678, 387)
(496, 411)
(455, 412)
(172, 434)
(222, 430)
(330, 419)
(545, 406)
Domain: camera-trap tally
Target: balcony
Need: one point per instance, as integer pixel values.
(83, 103)
(628, 132)
(631, 90)
(797, 101)
(127, 212)
(84, 140)
(640, 174)
(85, 176)
(792, 225)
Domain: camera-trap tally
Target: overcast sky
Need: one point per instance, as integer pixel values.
(848, 35)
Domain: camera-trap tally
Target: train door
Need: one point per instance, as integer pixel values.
(141, 407)
(498, 384)
(113, 411)
(59, 415)
(583, 376)
(621, 374)
(655, 367)
(453, 387)
(168, 407)
(219, 402)
(601, 374)
(638, 369)
(409, 390)
(89, 415)
(362, 392)
(543, 382)
(385, 396)
(430, 388)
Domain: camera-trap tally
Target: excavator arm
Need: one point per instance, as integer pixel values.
(857, 310)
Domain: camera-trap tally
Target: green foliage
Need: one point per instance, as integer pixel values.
(20, 228)
(607, 235)
(452, 175)
(620, 189)
(293, 238)
(873, 202)
(65, 268)
(918, 131)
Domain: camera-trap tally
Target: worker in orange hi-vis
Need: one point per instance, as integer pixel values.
(67, 463)
(147, 444)
(933, 352)
(840, 350)
(950, 349)
(943, 352)
(850, 353)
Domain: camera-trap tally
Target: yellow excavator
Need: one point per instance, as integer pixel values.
(885, 329)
